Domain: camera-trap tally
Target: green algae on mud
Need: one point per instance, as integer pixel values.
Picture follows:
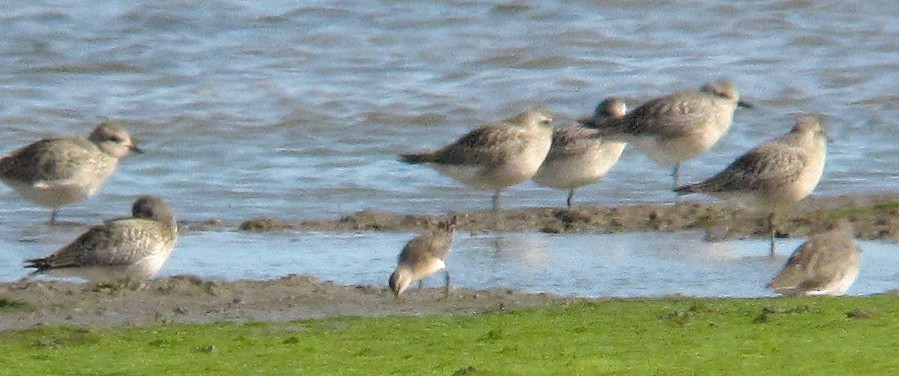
(13, 305)
(674, 335)
(874, 217)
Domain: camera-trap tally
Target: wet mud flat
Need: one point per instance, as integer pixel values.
(874, 217)
(190, 299)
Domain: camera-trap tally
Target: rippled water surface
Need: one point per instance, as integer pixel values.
(298, 110)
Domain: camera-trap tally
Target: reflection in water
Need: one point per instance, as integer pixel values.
(527, 249)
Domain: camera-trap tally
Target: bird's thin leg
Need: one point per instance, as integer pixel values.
(773, 232)
(570, 198)
(53, 216)
(421, 283)
(446, 287)
(497, 213)
(676, 175)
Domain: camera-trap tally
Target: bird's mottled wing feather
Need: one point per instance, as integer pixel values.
(118, 243)
(425, 246)
(440, 246)
(483, 146)
(797, 269)
(411, 254)
(816, 262)
(44, 160)
(572, 141)
(670, 116)
(765, 167)
(829, 265)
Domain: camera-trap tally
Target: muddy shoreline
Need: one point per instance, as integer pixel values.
(874, 216)
(191, 299)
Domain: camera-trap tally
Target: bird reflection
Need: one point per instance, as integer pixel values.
(526, 249)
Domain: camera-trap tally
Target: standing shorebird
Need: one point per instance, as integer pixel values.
(495, 156)
(679, 126)
(826, 264)
(127, 249)
(422, 256)
(576, 157)
(55, 172)
(775, 174)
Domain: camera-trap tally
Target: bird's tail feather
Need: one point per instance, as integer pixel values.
(687, 189)
(611, 128)
(416, 158)
(39, 264)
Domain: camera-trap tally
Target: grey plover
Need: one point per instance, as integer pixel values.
(422, 256)
(55, 172)
(495, 156)
(775, 174)
(679, 126)
(128, 249)
(826, 264)
(577, 157)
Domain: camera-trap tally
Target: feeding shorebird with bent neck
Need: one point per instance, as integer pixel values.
(422, 256)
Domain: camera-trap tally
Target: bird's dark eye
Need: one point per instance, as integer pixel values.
(115, 139)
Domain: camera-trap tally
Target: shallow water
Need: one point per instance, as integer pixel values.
(300, 110)
(621, 265)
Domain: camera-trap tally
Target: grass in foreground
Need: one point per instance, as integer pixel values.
(669, 336)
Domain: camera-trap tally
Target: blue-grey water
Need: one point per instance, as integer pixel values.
(628, 265)
(299, 109)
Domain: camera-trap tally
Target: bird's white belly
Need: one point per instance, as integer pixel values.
(61, 192)
(810, 177)
(670, 151)
(580, 170)
(433, 266)
(513, 169)
(837, 287)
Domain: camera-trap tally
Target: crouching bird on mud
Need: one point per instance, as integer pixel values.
(129, 250)
(826, 264)
(422, 256)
